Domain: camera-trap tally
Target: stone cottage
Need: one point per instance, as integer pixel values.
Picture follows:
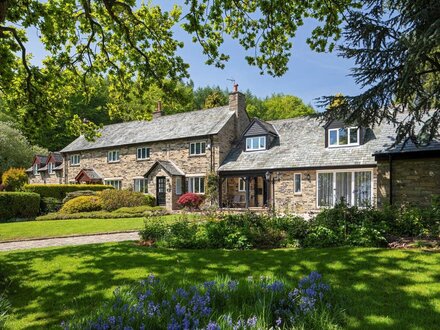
(296, 165)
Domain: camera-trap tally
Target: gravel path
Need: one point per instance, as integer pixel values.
(62, 241)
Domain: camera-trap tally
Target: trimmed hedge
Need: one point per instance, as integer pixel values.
(115, 199)
(59, 191)
(18, 205)
(82, 204)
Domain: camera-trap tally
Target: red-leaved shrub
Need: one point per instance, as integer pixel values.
(191, 200)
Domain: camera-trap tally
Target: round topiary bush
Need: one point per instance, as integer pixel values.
(82, 204)
(191, 201)
(14, 179)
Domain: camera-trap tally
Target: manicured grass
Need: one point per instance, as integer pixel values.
(38, 229)
(52, 228)
(380, 289)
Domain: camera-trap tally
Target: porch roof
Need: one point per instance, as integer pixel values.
(89, 173)
(168, 166)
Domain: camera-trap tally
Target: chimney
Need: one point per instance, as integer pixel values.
(158, 113)
(237, 103)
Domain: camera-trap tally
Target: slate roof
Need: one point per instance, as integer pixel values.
(43, 159)
(90, 172)
(182, 125)
(168, 166)
(302, 145)
(58, 168)
(57, 156)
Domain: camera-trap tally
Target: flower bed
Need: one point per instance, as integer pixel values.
(221, 304)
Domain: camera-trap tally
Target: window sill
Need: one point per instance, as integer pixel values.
(74, 165)
(113, 162)
(198, 155)
(297, 194)
(344, 146)
(142, 159)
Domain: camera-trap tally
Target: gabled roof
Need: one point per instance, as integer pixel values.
(178, 126)
(258, 126)
(40, 159)
(168, 166)
(89, 173)
(56, 156)
(302, 145)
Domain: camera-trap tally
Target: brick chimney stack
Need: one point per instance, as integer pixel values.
(158, 113)
(237, 103)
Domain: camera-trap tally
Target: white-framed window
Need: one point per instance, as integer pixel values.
(179, 185)
(143, 153)
(75, 159)
(347, 136)
(297, 184)
(141, 185)
(50, 167)
(351, 187)
(197, 148)
(241, 185)
(255, 143)
(113, 156)
(117, 184)
(196, 185)
(35, 169)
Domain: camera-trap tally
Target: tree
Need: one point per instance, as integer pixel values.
(14, 179)
(396, 48)
(15, 150)
(215, 99)
(201, 95)
(280, 106)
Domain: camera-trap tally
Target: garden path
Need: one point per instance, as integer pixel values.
(74, 240)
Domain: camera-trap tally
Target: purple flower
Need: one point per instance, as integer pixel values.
(212, 326)
(278, 321)
(232, 285)
(252, 322)
(180, 310)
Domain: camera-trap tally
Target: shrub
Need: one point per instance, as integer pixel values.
(50, 204)
(88, 215)
(59, 191)
(74, 194)
(191, 201)
(115, 199)
(155, 229)
(4, 310)
(19, 205)
(320, 237)
(263, 303)
(14, 179)
(139, 209)
(82, 204)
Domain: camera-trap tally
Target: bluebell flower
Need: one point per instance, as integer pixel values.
(278, 322)
(252, 322)
(180, 310)
(212, 326)
(232, 285)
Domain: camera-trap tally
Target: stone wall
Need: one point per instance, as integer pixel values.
(40, 178)
(415, 181)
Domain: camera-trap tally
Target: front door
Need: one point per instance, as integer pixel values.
(161, 190)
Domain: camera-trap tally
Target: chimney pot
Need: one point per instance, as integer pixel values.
(158, 113)
(235, 88)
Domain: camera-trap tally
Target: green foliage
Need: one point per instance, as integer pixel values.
(50, 204)
(88, 215)
(18, 205)
(59, 191)
(215, 99)
(115, 199)
(5, 307)
(202, 93)
(82, 204)
(74, 194)
(15, 150)
(14, 179)
(139, 209)
(408, 80)
(280, 106)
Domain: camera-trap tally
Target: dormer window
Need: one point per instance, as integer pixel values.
(50, 167)
(255, 143)
(35, 169)
(346, 136)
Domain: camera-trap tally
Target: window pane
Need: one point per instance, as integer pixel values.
(197, 148)
(202, 185)
(148, 152)
(262, 142)
(333, 138)
(343, 136)
(325, 189)
(203, 147)
(353, 135)
(297, 183)
(362, 189)
(343, 188)
(248, 143)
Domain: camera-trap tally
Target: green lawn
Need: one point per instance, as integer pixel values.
(380, 289)
(51, 228)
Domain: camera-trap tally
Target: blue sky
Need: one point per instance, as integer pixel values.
(310, 74)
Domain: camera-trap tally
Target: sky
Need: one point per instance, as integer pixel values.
(310, 74)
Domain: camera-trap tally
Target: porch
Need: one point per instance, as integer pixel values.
(244, 192)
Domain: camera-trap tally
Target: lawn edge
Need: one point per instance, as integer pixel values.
(68, 236)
